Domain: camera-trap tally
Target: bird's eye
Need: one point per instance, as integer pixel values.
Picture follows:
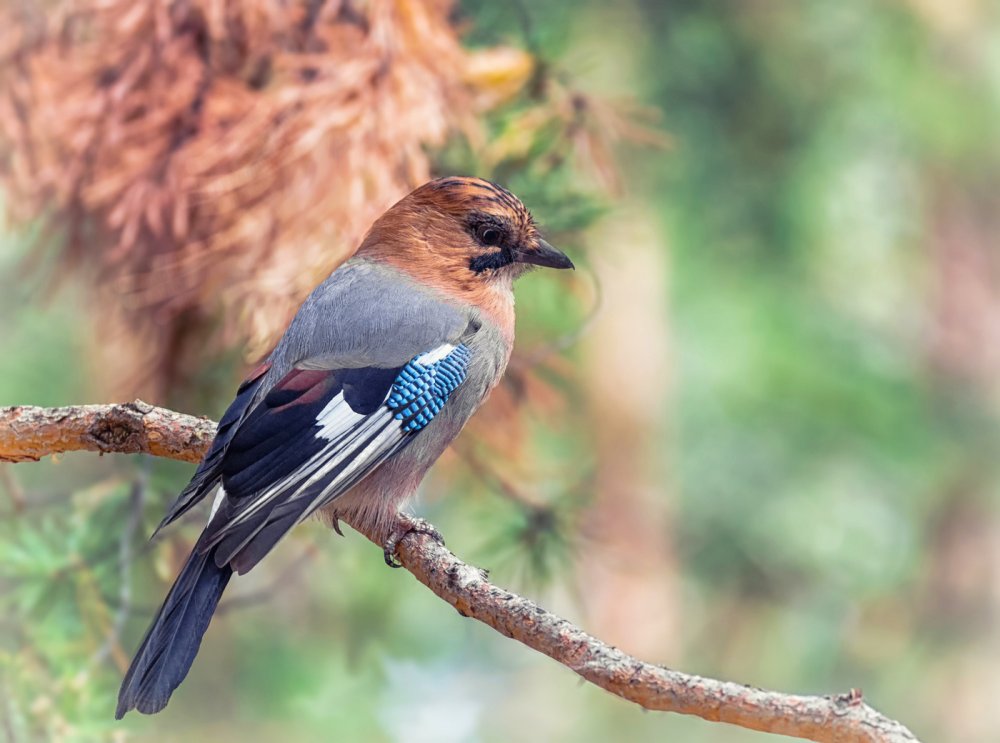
(490, 236)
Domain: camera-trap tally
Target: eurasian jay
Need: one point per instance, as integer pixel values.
(378, 372)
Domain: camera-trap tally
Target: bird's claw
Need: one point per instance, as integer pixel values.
(406, 525)
(335, 523)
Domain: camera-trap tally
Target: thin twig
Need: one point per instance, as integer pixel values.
(504, 486)
(136, 507)
(843, 718)
(13, 488)
(7, 701)
(536, 356)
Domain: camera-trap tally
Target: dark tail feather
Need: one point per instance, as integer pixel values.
(172, 641)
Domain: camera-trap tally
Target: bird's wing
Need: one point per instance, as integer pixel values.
(316, 434)
(206, 477)
(369, 360)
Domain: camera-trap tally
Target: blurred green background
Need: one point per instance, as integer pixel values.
(773, 457)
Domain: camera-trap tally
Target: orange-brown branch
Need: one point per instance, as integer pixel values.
(28, 433)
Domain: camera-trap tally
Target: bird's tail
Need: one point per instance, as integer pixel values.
(171, 643)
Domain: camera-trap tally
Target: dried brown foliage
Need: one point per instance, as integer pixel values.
(189, 148)
(206, 159)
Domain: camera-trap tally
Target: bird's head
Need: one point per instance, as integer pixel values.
(464, 234)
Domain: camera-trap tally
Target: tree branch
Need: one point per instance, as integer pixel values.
(29, 433)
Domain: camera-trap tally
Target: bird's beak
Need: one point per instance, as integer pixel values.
(543, 254)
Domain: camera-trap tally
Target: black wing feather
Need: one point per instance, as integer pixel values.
(206, 477)
(268, 467)
(278, 435)
(173, 639)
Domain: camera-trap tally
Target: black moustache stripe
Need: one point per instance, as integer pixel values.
(494, 260)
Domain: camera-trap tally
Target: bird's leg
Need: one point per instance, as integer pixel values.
(405, 524)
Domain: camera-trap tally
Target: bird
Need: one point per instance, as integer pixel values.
(378, 371)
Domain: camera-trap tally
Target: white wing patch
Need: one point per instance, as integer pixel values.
(356, 444)
(436, 355)
(219, 497)
(336, 418)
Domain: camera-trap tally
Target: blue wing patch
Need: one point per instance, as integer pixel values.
(424, 385)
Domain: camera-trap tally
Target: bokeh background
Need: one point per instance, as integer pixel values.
(754, 437)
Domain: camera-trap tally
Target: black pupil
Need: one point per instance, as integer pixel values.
(490, 236)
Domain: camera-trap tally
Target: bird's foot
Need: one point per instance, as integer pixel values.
(335, 523)
(406, 525)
